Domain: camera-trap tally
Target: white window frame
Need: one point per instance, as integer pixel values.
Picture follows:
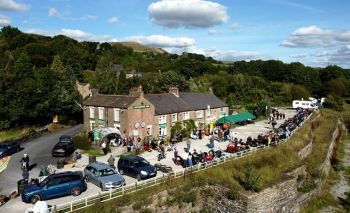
(199, 114)
(163, 131)
(92, 112)
(117, 115)
(162, 119)
(207, 112)
(101, 116)
(92, 123)
(174, 118)
(149, 127)
(186, 116)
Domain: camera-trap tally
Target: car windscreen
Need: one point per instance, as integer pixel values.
(61, 145)
(4, 146)
(106, 172)
(141, 163)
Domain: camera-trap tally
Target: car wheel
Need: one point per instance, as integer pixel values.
(121, 171)
(34, 199)
(87, 178)
(139, 177)
(75, 191)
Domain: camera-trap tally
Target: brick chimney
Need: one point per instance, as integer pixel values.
(174, 90)
(136, 91)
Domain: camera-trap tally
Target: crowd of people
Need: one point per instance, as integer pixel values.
(274, 136)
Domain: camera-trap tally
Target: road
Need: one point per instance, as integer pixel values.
(39, 151)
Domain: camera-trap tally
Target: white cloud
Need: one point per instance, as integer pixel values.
(213, 32)
(163, 41)
(76, 34)
(53, 12)
(299, 55)
(235, 26)
(187, 13)
(12, 5)
(332, 46)
(314, 36)
(113, 20)
(311, 30)
(4, 20)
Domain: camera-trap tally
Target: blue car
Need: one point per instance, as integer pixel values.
(137, 167)
(9, 148)
(55, 185)
(103, 176)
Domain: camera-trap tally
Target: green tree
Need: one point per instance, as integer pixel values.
(122, 85)
(57, 65)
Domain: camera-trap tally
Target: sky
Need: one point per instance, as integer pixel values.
(314, 32)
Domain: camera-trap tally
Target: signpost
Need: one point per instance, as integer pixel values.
(162, 125)
(144, 106)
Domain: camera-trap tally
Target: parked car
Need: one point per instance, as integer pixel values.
(137, 167)
(9, 148)
(66, 138)
(55, 185)
(103, 176)
(63, 148)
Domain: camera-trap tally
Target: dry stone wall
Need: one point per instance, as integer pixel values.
(282, 197)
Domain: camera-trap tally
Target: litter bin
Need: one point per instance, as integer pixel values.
(60, 163)
(21, 184)
(92, 159)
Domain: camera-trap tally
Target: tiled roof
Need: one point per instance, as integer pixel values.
(167, 103)
(116, 101)
(200, 101)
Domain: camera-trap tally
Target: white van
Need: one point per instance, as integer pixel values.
(304, 104)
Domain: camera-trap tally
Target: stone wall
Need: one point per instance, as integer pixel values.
(281, 197)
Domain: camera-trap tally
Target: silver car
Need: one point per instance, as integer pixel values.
(103, 176)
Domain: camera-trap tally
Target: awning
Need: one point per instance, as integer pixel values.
(103, 132)
(237, 118)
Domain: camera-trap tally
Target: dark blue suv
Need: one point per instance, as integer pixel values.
(137, 167)
(55, 185)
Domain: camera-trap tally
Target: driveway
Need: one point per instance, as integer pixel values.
(39, 151)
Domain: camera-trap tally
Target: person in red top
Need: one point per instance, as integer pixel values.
(208, 158)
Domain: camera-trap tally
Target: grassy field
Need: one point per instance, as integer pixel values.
(12, 134)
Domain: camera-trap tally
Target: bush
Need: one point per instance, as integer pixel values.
(81, 142)
(251, 180)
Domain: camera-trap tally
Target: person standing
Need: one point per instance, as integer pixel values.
(185, 159)
(111, 161)
(188, 145)
(189, 161)
(25, 162)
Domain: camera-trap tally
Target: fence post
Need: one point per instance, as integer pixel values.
(135, 186)
(123, 190)
(71, 206)
(110, 193)
(86, 202)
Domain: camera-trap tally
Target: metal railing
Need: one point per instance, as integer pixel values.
(131, 188)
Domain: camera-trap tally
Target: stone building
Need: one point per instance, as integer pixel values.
(139, 114)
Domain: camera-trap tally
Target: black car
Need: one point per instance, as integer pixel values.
(65, 138)
(137, 167)
(63, 148)
(9, 148)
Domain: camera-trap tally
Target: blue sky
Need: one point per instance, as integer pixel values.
(314, 32)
